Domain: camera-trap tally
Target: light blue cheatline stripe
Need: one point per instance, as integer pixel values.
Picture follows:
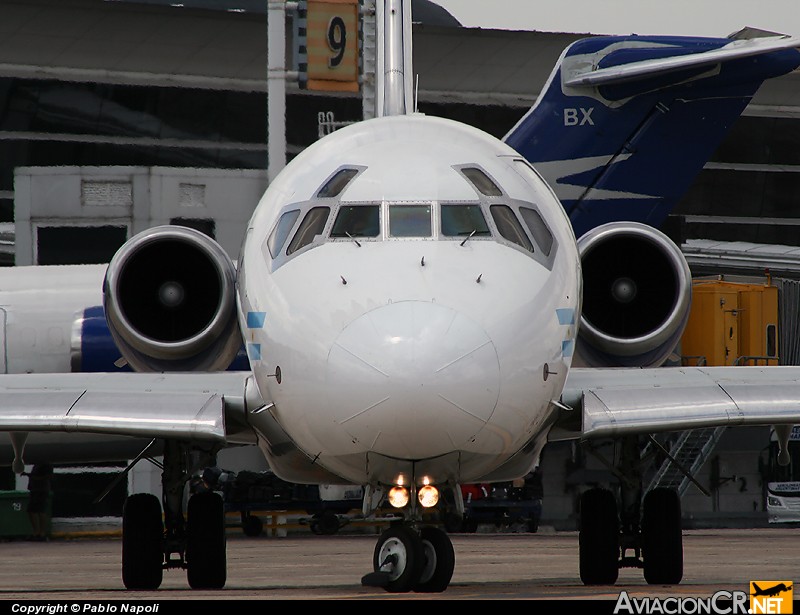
(567, 346)
(255, 320)
(566, 316)
(254, 352)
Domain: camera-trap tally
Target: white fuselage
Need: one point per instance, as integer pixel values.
(421, 354)
(38, 308)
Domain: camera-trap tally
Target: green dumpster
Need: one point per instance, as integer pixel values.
(14, 514)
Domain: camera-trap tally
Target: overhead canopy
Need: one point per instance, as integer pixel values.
(157, 44)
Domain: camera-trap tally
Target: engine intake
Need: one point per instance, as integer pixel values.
(637, 291)
(170, 302)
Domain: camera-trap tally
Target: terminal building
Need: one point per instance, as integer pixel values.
(120, 115)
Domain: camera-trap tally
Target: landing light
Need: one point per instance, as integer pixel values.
(398, 497)
(428, 496)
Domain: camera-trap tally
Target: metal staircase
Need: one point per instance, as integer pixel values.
(690, 451)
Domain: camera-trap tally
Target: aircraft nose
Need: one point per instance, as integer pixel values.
(427, 379)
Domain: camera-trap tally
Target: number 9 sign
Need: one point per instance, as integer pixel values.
(332, 45)
(337, 40)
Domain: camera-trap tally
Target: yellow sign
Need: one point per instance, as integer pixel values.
(332, 44)
(773, 597)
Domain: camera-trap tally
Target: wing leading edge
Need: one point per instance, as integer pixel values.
(208, 407)
(617, 402)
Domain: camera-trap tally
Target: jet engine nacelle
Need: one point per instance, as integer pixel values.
(169, 298)
(637, 291)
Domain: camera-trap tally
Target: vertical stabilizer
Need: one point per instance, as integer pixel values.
(393, 70)
(625, 124)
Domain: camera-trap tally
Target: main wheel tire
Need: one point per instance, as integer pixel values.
(405, 546)
(439, 561)
(599, 538)
(252, 526)
(470, 526)
(206, 563)
(662, 539)
(328, 523)
(142, 542)
(453, 523)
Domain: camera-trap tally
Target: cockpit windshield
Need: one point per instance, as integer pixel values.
(509, 227)
(357, 221)
(334, 186)
(312, 225)
(462, 220)
(494, 218)
(410, 220)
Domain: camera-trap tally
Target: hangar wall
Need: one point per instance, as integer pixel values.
(75, 215)
(87, 82)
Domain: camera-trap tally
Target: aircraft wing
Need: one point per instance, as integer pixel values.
(593, 76)
(208, 407)
(615, 402)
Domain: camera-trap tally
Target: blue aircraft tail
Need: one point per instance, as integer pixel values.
(624, 124)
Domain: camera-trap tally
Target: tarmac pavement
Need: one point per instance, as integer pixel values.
(304, 566)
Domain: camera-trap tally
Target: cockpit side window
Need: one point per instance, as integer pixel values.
(481, 181)
(462, 220)
(541, 234)
(312, 225)
(410, 220)
(357, 221)
(280, 233)
(509, 227)
(334, 186)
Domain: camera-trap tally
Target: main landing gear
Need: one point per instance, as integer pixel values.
(649, 527)
(152, 543)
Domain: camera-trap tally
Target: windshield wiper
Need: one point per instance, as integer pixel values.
(355, 241)
(468, 237)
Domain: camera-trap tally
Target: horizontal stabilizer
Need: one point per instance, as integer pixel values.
(648, 68)
(625, 124)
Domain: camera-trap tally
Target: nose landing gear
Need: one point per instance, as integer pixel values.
(409, 560)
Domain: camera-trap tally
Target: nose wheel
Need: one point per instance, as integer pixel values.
(440, 561)
(406, 560)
